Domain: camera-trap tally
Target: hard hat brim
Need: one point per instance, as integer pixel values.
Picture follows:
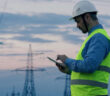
(71, 18)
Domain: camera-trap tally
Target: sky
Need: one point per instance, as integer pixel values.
(45, 25)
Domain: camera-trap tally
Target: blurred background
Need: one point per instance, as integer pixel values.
(46, 26)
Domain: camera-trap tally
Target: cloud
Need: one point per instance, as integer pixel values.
(13, 54)
(1, 43)
(28, 38)
(104, 20)
(27, 26)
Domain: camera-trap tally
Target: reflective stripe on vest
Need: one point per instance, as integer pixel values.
(89, 82)
(104, 68)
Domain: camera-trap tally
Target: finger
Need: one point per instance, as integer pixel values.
(56, 64)
(59, 66)
(58, 57)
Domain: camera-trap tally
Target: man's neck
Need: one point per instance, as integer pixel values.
(93, 24)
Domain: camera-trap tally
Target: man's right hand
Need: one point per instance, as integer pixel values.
(63, 68)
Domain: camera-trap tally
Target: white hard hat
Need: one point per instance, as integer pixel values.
(82, 7)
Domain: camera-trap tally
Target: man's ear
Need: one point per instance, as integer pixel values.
(87, 17)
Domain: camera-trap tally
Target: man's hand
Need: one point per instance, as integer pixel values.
(62, 58)
(63, 68)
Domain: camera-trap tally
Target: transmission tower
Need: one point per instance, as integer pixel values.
(67, 91)
(29, 88)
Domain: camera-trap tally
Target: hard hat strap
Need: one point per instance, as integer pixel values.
(84, 21)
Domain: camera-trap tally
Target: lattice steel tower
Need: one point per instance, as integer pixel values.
(67, 91)
(29, 88)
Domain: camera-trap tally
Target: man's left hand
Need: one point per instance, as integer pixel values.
(62, 58)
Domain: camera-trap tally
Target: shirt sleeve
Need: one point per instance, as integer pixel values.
(97, 50)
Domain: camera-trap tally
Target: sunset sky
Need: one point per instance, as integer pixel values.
(45, 25)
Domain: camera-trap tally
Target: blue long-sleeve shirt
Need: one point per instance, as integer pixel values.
(96, 49)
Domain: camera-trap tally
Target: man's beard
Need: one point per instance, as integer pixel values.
(83, 31)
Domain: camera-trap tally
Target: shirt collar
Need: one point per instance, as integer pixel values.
(99, 26)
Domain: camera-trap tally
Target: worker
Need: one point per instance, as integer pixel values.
(90, 70)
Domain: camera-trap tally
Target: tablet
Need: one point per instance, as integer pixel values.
(55, 62)
(52, 60)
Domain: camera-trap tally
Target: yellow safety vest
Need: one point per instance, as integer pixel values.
(91, 84)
